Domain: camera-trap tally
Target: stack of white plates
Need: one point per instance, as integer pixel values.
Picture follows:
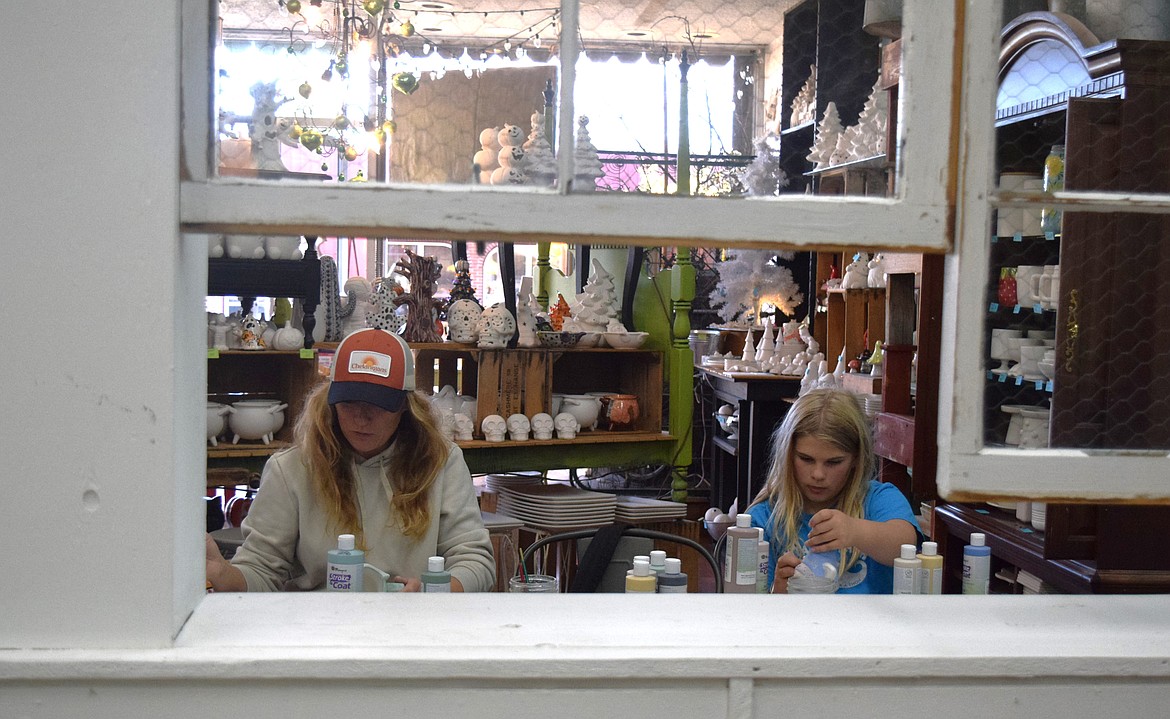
(494, 482)
(642, 509)
(557, 506)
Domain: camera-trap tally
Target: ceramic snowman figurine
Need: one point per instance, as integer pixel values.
(518, 426)
(496, 326)
(856, 273)
(542, 425)
(510, 157)
(566, 426)
(877, 271)
(463, 321)
(464, 428)
(494, 428)
(486, 158)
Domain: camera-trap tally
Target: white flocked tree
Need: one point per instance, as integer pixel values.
(749, 279)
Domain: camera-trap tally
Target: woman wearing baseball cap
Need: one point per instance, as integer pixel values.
(368, 459)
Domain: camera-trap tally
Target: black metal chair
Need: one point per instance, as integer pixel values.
(629, 532)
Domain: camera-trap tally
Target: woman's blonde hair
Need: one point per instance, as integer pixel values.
(834, 416)
(411, 469)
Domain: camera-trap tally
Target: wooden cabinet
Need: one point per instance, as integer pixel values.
(266, 374)
(1108, 104)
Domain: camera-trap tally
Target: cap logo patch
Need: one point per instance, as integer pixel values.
(375, 363)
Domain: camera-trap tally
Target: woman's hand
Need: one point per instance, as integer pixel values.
(413, 584)
(830, 530)
(785, 568)
(221, 575)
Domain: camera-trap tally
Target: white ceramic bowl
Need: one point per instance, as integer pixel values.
(626, 340)
(216, 420)
(254, 419)
(585, 409)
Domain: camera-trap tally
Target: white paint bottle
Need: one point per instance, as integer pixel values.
(907, 571)
(763, 552)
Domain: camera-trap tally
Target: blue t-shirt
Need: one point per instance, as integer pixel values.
(882, 502)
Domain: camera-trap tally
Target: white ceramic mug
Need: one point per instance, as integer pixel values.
(1027, 283)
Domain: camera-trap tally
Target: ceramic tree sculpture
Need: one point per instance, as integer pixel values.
(804, 104)
(461, 289)
(872, 123)
(598, 304)
(540, 162)
(586, 162)
(825, 141)
(422, 307)
(750, 278)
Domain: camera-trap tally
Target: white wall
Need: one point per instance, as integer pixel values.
(101, 471)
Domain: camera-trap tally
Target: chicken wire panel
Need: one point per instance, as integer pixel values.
(1077, 336)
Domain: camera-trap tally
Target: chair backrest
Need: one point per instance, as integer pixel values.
(604, 556)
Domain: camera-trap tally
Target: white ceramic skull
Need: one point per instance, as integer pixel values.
(464, 428)
(463, 321)
(542, 426)
(494, 428)
(496, 326)
(566, 425)
(518, 426)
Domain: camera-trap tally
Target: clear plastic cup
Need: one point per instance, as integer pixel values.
(534, 584)
(811, 584)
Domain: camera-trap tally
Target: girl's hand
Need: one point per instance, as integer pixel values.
(413, 584)
(830, 529)
(785, 568)
(221, 575)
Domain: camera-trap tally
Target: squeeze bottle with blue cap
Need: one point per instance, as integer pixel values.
(344, 566)
(436, 578)
(976, 565)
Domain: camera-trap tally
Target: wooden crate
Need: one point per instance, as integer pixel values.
(523, 380)
(269, 374)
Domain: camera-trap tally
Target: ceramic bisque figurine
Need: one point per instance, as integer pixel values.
(496, 326)
(463, 321)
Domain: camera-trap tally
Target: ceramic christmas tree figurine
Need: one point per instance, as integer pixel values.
(586, 162)
(804, 104)
(825, 142)
(461, 289)
(598, 304)
(558, 312)
(540, 162)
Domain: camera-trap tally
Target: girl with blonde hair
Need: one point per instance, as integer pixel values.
(821, 496)
(368, 459)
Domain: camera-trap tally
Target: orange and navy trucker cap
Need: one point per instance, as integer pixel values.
(372, 366)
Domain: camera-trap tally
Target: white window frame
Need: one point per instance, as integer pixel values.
(967, 468)
(919, 218)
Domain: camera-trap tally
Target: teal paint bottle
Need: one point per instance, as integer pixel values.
(436, 578)
(344, 566)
